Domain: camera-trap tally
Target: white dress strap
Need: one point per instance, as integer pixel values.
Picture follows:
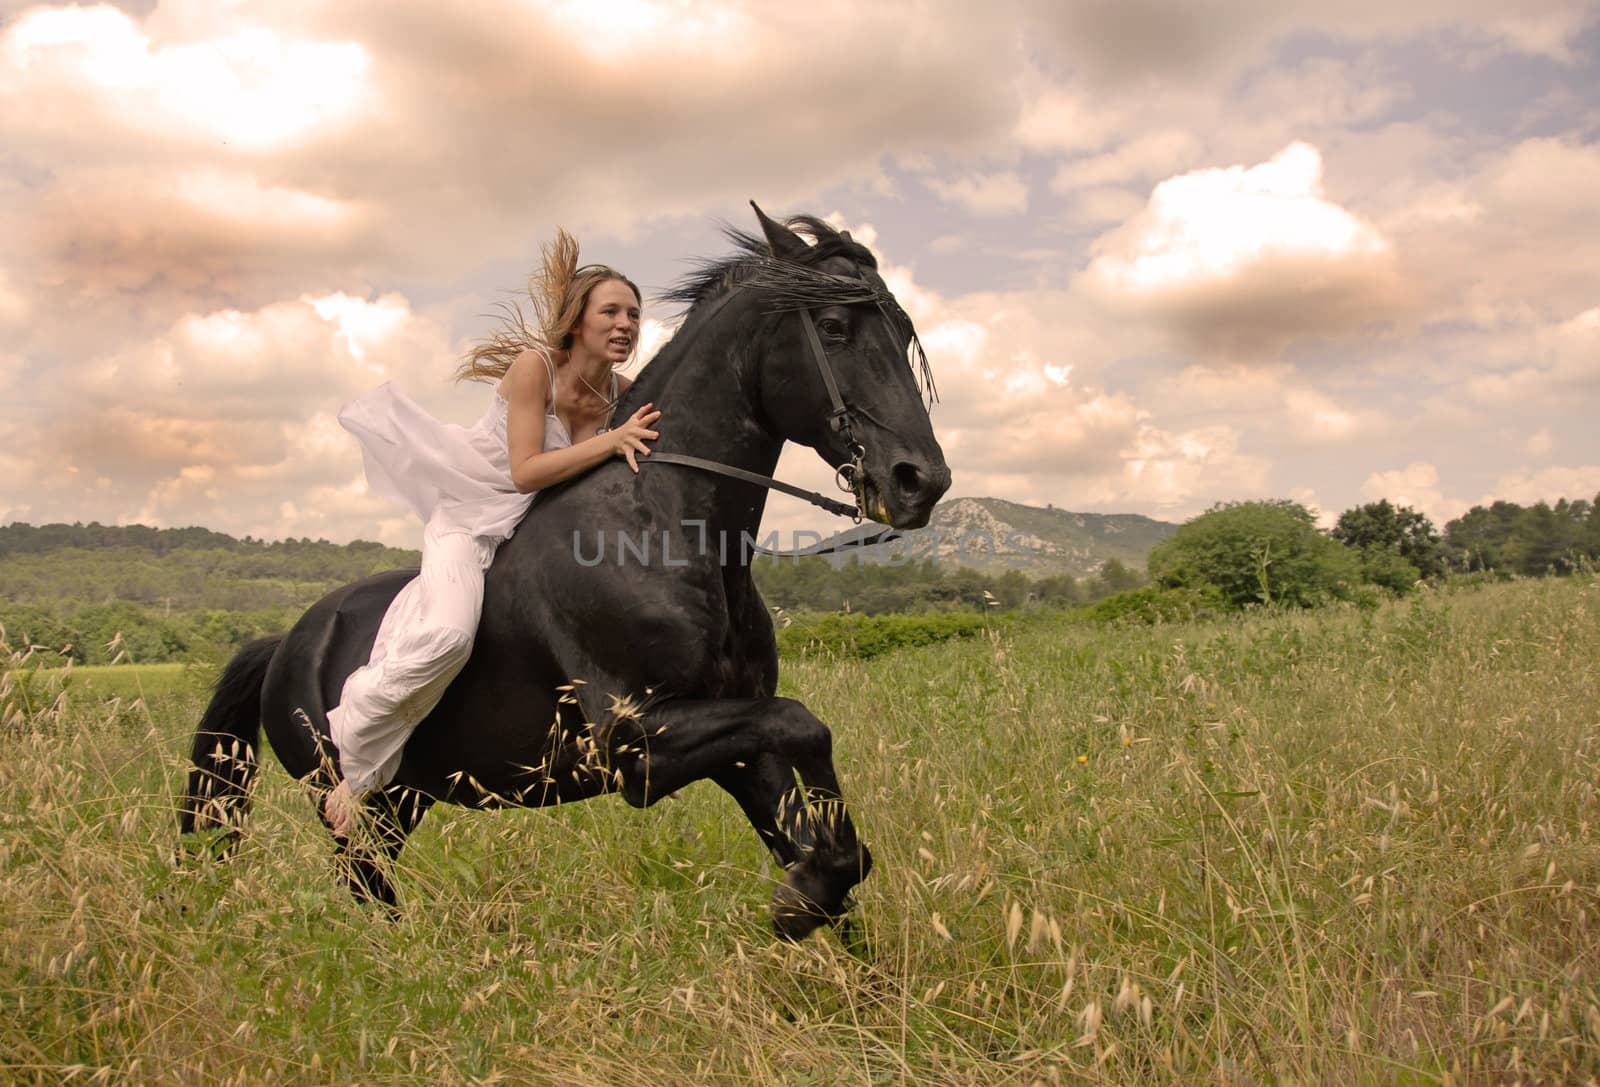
(549, 368)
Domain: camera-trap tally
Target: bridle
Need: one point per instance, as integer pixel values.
(851, 477)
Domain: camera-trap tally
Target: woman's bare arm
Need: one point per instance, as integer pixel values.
(526, 387)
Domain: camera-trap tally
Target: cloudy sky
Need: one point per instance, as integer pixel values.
(1161, 254)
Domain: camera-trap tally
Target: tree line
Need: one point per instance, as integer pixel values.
(1244, 553)
(100, 593)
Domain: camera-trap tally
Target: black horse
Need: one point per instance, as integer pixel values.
(623, 646)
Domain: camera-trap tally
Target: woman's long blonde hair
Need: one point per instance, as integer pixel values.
(557, 294)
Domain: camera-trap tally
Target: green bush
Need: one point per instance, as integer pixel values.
(866, 636)
(122, 630)
(31, 693)
(1157, 604)
(1257, 553)
(1389, 569)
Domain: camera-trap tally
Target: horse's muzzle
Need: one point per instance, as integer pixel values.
(906, 498)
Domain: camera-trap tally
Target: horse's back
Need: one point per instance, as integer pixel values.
(306, 678)
(605, 585)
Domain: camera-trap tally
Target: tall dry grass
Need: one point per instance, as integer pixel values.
(1343, 847)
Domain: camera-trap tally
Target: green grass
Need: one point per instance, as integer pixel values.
(130, 681)
(1313, 848)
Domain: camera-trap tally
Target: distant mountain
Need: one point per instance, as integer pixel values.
(986, 534)
(993, 535)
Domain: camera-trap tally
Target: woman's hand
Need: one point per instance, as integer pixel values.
(632, 434)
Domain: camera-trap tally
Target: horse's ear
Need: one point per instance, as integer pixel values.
(784, 243)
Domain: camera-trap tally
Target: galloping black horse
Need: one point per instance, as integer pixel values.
(623, 646)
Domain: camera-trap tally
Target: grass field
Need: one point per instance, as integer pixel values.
(1329, 848)
(128, 682)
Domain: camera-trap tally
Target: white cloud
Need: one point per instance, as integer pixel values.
(1148, 155)
(639, 28)
(1324, 94)
(241, 197)
(1543, 29)
(1514, 241)
(207, 155)
(1057, 120)
(1314, 416)
(14, 306)
(1185, 472)
(1003, 193)
(1550, 181)
(1527, 487)
(1539, 365)
(1209, 389)
(1023, 415)
(1102, 207)
(1506, 387)
(1574, 349)
(1247, 258)
(1416, 485)
(226, 416)
(364, 328)
(251, 88)
(1210, 225)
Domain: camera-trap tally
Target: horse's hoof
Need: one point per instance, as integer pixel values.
(813, 894)
(794, 915)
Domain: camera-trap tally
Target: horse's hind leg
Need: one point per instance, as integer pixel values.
(365, 856)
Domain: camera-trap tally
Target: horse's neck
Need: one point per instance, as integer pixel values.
(706, 391)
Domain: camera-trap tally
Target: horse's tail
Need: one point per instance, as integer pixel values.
(224, 753)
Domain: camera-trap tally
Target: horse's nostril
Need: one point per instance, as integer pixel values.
(908, 477)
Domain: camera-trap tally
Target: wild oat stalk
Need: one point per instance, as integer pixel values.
(1337, 847)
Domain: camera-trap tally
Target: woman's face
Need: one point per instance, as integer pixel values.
(609, 328)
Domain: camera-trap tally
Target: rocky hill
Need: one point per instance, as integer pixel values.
(993, 535)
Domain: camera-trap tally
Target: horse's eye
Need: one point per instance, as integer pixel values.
(831, 327)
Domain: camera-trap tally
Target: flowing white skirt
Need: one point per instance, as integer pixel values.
(460, 474)
(458, 479)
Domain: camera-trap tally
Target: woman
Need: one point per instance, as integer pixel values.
(548, 420)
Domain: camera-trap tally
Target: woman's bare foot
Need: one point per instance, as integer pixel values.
(340, 810)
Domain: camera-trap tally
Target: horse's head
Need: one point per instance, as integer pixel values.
(841, 370)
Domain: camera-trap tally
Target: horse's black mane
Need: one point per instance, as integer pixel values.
(711, 277)
(793, 284)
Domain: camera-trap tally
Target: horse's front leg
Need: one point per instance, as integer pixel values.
(767, 794)
(675, 743)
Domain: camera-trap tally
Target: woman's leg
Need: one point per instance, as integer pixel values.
(423, 643)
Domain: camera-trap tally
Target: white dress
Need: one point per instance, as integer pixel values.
(458, 479)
